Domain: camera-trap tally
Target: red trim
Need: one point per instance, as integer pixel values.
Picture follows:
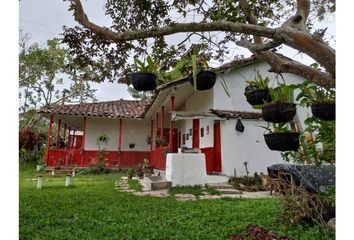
(162, 121)
(49, 139)
(217, 147)
(83, 142)
(58, 135)
(151, 132)
(172, 105)
(69, 139)
(195, 140)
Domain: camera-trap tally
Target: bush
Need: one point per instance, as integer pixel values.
(28, 139)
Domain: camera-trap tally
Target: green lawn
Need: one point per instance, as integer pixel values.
(92, 209)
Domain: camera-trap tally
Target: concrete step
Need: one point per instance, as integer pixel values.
(228, 191)
(219, 186)
(156, 183)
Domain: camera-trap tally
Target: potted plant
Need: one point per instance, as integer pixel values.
(131, 145)
(160, 141)
(148, 140)
(321, 100)
(147, 168)
(102, 139)
(139, 171)
(130, 173)
(280, 109)
(257, 91)
(145, 78)
(281, 138)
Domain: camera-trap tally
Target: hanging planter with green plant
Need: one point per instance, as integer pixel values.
(257, 91)
(102, 139)
(280, 138)
(280, 109)
(145, 78)
(322, 101)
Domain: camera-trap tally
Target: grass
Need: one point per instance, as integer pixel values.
(92, 209)
(135, 185)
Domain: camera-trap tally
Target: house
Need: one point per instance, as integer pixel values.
(176, 117)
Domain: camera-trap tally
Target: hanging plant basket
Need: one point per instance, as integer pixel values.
(144, 81)
(205, 80)
(257, 97)
(324, 111)
(282, 141)
(278, 112)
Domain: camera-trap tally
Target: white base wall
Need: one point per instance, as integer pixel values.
(188, 169)
(247, 146)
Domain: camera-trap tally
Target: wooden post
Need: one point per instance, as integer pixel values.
(67, 181)
(49, 139)
(69, 139)
(151, 132)
(172, 105)
(83, 142)
(58, 135)
(162, 121)
(64, 135)
(120, 134)
(39, 182)
(73, 140)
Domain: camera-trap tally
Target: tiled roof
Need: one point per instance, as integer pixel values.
(236, 114)
(111, 109)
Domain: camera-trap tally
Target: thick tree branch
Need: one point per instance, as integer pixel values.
(281, 64)
(250, 29)
(292, 33)
(246, 8)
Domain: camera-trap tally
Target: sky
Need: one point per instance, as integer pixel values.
(44, 19)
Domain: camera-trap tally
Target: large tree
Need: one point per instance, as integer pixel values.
(261, 26)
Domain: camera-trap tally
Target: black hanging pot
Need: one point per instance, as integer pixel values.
(257, 97)
(144, 81)
(278, 112)
(205, 80)
(324, 111)
(282, 141)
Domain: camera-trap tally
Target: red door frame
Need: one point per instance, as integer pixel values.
(195, 139)
(217, 147)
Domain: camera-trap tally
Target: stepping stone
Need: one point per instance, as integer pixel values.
(229, 191)
(219, 185)
(185, 197)
(210, 197)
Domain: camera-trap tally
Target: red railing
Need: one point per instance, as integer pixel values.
(158, 158)
(209, 159)
(71, 157)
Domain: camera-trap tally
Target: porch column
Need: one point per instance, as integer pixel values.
(73, 140)
(69, 139)
(172, 105)
(64, 135)
(157, 128)
(83, 142)
(162, 121)
(49, 139)
(120, 134)
(151, 132)
(58, 134)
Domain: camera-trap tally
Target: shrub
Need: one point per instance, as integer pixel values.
(255, 232)
(28, 139)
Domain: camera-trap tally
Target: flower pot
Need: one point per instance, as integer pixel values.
(205, 80)
(324, 111)
(278, 112)
(257, 97)
(144, 81)
(282, 141)
(131, 145)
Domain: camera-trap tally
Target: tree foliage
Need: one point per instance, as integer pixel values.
(41, 73)
(141, 28)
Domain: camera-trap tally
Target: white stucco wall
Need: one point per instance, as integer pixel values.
(133, 131)
(200, 101)
(247, 146)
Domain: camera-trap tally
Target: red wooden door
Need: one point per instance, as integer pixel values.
(195, 141)
(217, 147)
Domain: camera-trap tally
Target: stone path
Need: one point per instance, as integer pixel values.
(224, 189)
